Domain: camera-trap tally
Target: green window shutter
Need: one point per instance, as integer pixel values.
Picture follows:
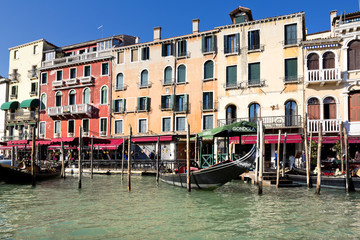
(172, 49)
(231, 76)
(16, 90)
(123, 105)
(213, 43)
(172, 101)
(163, 101)
(163, 50)
(291, 70)
(254, 73)
(240, 19)
(138, 103)
(203, 44)
(186, 96)
(181, 74)
(209, 70)
(147, 103)
(226, 44)
(237, 39)
(211, 100)
(113, 105)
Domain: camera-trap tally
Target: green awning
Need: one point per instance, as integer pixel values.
(10, 105)
(30, 103)
(231, 130)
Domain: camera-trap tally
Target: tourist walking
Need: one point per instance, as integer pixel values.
(303, 158)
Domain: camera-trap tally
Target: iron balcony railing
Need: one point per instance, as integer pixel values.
(70, 110)
(293, 121)
(32, 74)
(14, 77)
(19, 117)
(19, 137)
(77, 58)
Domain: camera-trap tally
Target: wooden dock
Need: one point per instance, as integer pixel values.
(104, 171)
(269, 179)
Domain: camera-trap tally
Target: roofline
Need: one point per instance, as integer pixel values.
(318, 32)
(30, 43)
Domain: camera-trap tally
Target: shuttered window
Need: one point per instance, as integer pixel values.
(313, 109)
(166, 124)
(134, 55)
(119, 105)
(313, 61)
(208, 100)
(118, 126)
(291, 34)
(120, 81)
(103, 125)
(120, 57)
(58, 99)
(208, 44)
(142, 126)
(231, 76)
(254, 40)
(168, 75)
(208, 122)
(143, 104)
(291, 69)
(104, 95)
(166, 102)
(328, 60)
(180, 123)
(181, 74)
(181, 48)
(231, 43)
(209, 70)
(167, 49)
(354, 55)
(145, 53)
(354, 106)
(144, 82)
(254, 73)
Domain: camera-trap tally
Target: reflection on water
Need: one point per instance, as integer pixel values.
(104, 209)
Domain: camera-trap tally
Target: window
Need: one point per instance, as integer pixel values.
(57, 128)
(313, 109)
(85, 125)
(72, 96)
(142, 126)
(49, 56)
(14, 91)
(134, 55)
(16, 54)
(87, 71)
(166, 102)
(104, 95)
(42, 129)
(208, 122)
(103, 126)
(254, 112)
(58, 99)
(43, 101)
(82, 51)
(144, 81)
(59, 75)
(329, 108)
(254, 74)
(328, 60)
(168, 75)
(291, 114)
(181, 74)
(11, 131)
(118, 126)
(181, 48)
(36, 49)
(68, 54)
(231, 43)
(291, 69)
(230, 114)
(291, 34)
(86, 96)
(208, 44)
(208, 100)
(44, 78)
(354, 55)
(101, 46)
(166, 124)
(167, 49)
(231, 76)
(121, 57)
(72, 73)
(105, 69)
(34, 86)
(93, 49)
(143, 104)
(354, 106)
(181, 103)
(313, 61)
(209, 70)
(33, 72)
(254, 40)
(71, 126)
(15, 75)
(120, 81)
(145, 53)
(180, 124)
(119, 105)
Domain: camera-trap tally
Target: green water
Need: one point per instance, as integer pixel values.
(103, 209)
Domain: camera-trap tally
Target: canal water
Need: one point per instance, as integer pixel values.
(103, 209)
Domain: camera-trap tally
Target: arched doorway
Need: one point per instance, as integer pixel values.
(231, 114)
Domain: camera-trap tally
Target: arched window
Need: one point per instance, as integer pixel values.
(72, 97)
(230, 114)
(313, 108)
(291, 113)
(168, 75)
(254, 112)
(104, 95)
(354, 55)
(86, 96)
(329, 108)
(144, 82)
(328, 60)
(120, 81)
(43, 101)
(181, 74)
(313, 61)
(209, 70)
(58, 99)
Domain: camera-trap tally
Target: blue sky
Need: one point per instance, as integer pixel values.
(66, 22)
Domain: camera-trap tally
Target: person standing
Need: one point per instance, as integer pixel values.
(303, 158)
(275, 159)
(292, 161)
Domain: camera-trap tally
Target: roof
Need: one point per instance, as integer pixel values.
(30, 43)
(347, 16)
(241, 10)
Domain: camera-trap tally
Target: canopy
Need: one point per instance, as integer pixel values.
(234, 129)
(10, 105)
(30, 103)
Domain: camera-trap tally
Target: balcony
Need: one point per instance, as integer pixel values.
(208, 106)
(32, 74)
(85, 80)
(13, 95)
(57, 135)
(14, 77)
(21, 116)
(229, 86)
(19, 137)
(71, 111)
(103, 133)
(33, 93)
(71, 81)
(57, 83)
(271, 122)
(77, 58)
(328, 125)
(121, 88)
(322, 76)
(183, 55)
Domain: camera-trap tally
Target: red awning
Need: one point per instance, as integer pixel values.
(18, 142)
(114, 144)
(21, 146)
(5, 147)
(153, 139)
(250, 139)
(65, 140)
(58, 147)
(335, 139)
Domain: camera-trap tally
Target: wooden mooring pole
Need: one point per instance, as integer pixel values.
(129, 160)
(257, 161)
(284, 156)
(92, 158)
(308, 163)
(349, 187)
(62, 159)
(33, 151)
(261, 159)
(306, 153)
(13, 156)
(188, 180)
(341, 146)
(122, 159)
(80, 152)
(278, 160)
(318, 182)
(157, 159)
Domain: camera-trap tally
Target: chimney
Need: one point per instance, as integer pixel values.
(157, 33)
(195, 25)
(332, 24)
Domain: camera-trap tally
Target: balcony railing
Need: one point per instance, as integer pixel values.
(269, 122)
(32, 74)
(87, 79)
(14, 77)
(57, 83)
(71, 81)
(19, 137)
(70, 110)
(77, 58)
(20, 117)
(328, 125)
(323, 75)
